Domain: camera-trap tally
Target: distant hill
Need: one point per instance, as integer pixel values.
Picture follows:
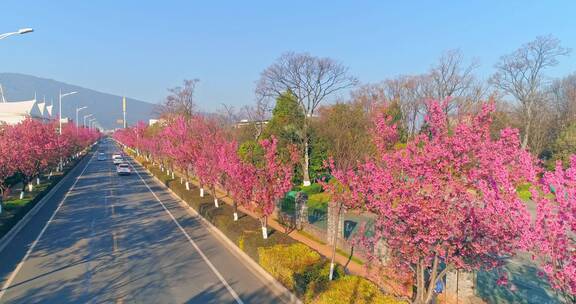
(107, 108)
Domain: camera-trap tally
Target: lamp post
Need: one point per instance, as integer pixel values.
(86, 116)
(90, 121)
(60, 96)
(78, 110)
(19, 32)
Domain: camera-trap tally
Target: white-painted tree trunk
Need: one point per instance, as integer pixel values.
(181, 181)
(235, 216)
(30, 187)
(50, 175)
(37, 181)
(187, 186)
(331, 276)
(264, 232)
(21, 194)
(201, 192)
(168, 172)
(172, 174)
(216, 202)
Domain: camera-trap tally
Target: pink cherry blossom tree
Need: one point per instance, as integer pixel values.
(273, 180)
(240, 179)
(8, 155)
(554, 244)
(38, 146)
(446, 200)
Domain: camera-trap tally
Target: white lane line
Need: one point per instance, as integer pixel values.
(204, 257)
(15, 272)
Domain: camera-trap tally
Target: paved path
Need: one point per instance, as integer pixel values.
(105, 238)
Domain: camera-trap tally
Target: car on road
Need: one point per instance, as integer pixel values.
(117, 159)
(101, 156)
(123, 169)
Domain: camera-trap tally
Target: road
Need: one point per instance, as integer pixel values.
(104, 238)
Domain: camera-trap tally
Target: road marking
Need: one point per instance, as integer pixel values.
(17, 270)
(204, 257)
(114, 241)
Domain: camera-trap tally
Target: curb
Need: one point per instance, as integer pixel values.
(262, 274)
(8, 237)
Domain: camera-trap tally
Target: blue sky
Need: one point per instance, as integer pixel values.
(140, 48)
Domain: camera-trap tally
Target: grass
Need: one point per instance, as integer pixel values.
(524, 191)
(311, 237)
(347, 255)
(319, 201)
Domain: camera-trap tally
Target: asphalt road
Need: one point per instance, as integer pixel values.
(104, 238)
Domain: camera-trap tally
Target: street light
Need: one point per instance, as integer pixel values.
(78, 110)
(86, 116)
(90, 121)
(19, 32)
(60, 96)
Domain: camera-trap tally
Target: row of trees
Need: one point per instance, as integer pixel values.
(445, 198)
(542, 108)
(441, 177)
(199, 147)
(32, 147)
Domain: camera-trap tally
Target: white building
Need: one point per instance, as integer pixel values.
(16, 111)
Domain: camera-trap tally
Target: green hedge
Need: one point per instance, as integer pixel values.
(354, 289)
(284, 261)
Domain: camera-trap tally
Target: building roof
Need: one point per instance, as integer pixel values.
(27, 108)
(49, 110)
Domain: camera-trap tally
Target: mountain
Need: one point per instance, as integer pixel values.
(107, 108)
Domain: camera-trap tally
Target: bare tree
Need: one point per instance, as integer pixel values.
(180, 100)
(407, 91)
(451, 78)
(521, 75)
(563, 99)
(257, 115)
(311, 80)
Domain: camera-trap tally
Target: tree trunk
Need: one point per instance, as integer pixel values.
(235, 206)
(1, 199)
(187, 186)
(335, 242)
(215, 197)
(37, 180)
(306, 165)
(201, 191)
(527, 127)
(264, 221)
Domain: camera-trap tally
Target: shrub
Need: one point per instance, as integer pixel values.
(283, 262)
(312, 189)
(524, 191)
(315, 279)
(354, 289)
(318, 201)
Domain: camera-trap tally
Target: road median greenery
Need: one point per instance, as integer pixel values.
(298, 267)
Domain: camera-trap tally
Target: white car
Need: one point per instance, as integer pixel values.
(123, 169)
(117, 159)
(101, 156)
